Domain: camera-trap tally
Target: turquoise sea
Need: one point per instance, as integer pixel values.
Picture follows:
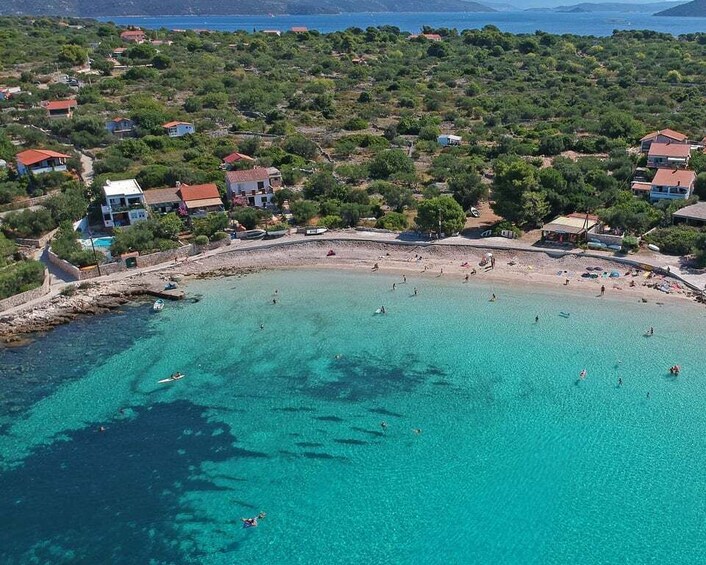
(517, 460)
(593, 23)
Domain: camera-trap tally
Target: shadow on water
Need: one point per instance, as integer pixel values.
(363, 379)
(113, 497)
(29, 374)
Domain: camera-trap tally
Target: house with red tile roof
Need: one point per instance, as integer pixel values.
(38, 161)
(133, 36)
(255, 186)
(179, 129)
(199, 199)
(662, 136)
(163, 200)
(299, 29)
(672, 184)
(427, 36)
(236, 157)
(668, 155)
(60, 108)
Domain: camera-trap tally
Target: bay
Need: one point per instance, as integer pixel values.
(595, 23)
(493, 449)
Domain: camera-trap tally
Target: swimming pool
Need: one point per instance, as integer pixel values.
(102, 242)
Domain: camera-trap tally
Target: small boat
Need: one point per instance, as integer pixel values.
(253, 234)
(171, 285)
(487, 233)
(652, 247)
(315, 231)
(473, 211)
(597, 245)
(174, 377)
(276, 233)
(158, 305)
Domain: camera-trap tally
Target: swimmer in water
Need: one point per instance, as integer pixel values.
(582, 374)
(383, 425)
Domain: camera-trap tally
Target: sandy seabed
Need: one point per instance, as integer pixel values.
(512, 269)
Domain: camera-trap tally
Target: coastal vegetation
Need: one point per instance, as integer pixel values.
(548, 124)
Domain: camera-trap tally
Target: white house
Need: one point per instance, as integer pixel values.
(38, 161)
(253, 187)
(672, 185)
(124, 203)
(179, 129)
(448, 139)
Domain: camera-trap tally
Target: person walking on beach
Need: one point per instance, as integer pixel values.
(415, 291)
(602, 290)
(466, 278)
(404, 279)
(394, 286)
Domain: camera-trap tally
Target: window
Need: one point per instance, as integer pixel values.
(260, 185)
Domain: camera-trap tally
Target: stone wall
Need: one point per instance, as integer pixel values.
(142, 261)
(24, 297)
(36, 242)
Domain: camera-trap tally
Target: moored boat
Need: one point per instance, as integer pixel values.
(158, 305)
(253, 234)
(315, 231)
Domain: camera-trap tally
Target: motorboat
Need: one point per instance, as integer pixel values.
(473, 211)
(315, 231)
(158, 305)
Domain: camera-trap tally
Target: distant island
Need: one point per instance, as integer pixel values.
(648, 7)
(97, 8)
(695, 9)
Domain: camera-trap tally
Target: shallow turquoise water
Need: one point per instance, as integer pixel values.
(517, 460)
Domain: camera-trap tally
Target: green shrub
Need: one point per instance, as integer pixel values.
(393, 221)
(331, 222)
(676, 240)
(20, 277)
(201, 240)
(219, 235)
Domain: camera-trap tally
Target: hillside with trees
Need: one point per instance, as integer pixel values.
(548, 123)
(97, 8)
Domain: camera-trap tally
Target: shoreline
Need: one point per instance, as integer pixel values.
(515, 269)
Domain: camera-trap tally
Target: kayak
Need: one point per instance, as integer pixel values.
(170, 379)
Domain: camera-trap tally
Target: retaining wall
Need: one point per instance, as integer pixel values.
(36, 242)
(142, 261)
(24, 297)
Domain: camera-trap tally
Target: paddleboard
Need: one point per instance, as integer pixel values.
(169, 380)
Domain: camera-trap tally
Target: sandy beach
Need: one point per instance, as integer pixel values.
(514, 269)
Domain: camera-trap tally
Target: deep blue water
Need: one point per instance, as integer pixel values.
(597, 23)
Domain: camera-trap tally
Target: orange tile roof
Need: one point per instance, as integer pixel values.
(172, 124)
(60, 104)
(643, 186)
(300, 29)
(33, 156)
(250, 175)
(670, 133)
(668, 177)
(133, 33)
(680, 150)
(233, 157)
(198, 192)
